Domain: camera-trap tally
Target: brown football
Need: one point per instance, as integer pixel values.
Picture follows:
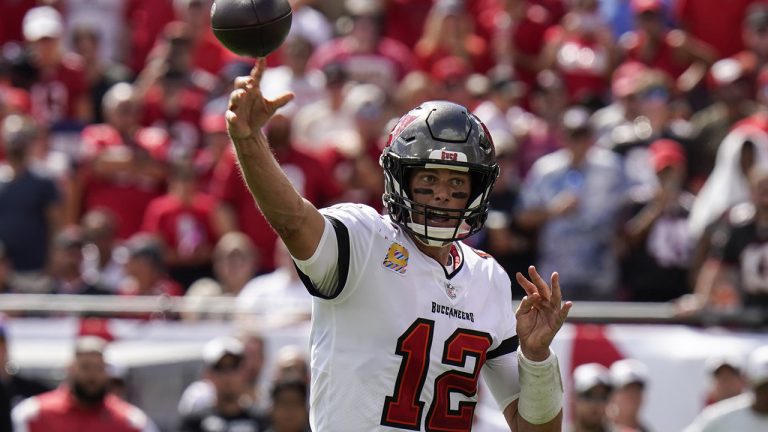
(251, 28)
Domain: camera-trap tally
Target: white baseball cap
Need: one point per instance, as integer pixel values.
(589, 375)
(220, 347)
(757, 367)
(628, 371)
(714, 363)
(41, 22)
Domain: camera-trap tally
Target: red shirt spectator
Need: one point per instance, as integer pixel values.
(405, 20)
(714, 24)
(177, 107)
(55, 95)
(184, 226)
(58, 410)
(146, 20)
(122, 177)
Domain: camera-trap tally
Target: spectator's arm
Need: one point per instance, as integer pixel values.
(225, 219)
(712, 273)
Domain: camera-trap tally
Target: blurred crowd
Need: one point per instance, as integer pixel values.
(632, 137)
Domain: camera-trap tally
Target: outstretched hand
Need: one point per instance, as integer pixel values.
(540, 314)
(248, 110)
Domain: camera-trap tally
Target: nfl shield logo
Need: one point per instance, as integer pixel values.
(450, 290)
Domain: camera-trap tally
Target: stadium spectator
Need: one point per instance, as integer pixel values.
(367, 55)
(747, 412)
(629, 378)
(291, 364)
(123, 167)
(308, 23)
(30, 211)
(200, 395)
(318, 125)
(100, 73)
(658, 243)
(727, 378)
(223, 359)
(54, 71)
(538, 132)
(754, 57)
(278, 296)
(173, 96)
(294, 76)
(734, 265)
(713, 24)
(451, 75)
(448, 32)
(731, 91)
(516, 29)
(415, 88)
(103, 19)
(592, 389)
(626, 86)
(681, 56)
(184, 219)
(235, 262)
(502, 102)
(582, 49)
(145, 270)
(101, 265)
(208, 55)
(13, 387)
(144, 20)
(290, 407)
(307, 175)
(82, 403)
(215, 143)
(573, 196)
(405, 20)
(744, 147)
(67, 263)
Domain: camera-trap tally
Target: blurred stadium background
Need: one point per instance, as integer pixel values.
(632, 137)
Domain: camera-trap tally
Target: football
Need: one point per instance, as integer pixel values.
(251, 28)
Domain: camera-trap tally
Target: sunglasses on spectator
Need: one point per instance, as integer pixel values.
(227, 366)
(594, 397)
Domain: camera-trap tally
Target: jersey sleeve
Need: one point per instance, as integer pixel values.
(500, 369)
(331, 273)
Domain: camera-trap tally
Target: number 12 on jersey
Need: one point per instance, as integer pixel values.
(404, 409)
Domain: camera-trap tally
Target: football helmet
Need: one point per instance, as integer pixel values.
(438, 134)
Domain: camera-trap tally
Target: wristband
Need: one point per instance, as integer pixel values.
(541, 388)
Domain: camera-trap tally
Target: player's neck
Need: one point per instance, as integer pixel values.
(441, 254)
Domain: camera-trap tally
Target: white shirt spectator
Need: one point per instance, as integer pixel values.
(734, 414)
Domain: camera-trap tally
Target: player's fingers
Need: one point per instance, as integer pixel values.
(280, 101)
(236, 98)
(258, 69)
(525, 306)
(557, 294)
(242, 82)
(539, 282)
(564, 312)
(527, 285)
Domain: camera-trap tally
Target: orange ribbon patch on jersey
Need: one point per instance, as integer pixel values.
(397, 258)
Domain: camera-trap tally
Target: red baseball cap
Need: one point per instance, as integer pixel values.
(640, 6)
(666, 153)
(627, 78)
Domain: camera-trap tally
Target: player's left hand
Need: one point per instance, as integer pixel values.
(540, 314)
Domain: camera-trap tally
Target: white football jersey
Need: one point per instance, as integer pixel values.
(402, 345)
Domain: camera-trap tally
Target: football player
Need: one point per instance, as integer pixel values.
(406, 316)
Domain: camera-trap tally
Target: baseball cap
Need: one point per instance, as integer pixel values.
(714, 363)
(640, 6)
(41, 22)
(90, 344)
(628, 371)
(757, 367)
(221, 347)
(666, 153)
(576, 120)
(726, 71)
(590, 375)
(627, 79)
